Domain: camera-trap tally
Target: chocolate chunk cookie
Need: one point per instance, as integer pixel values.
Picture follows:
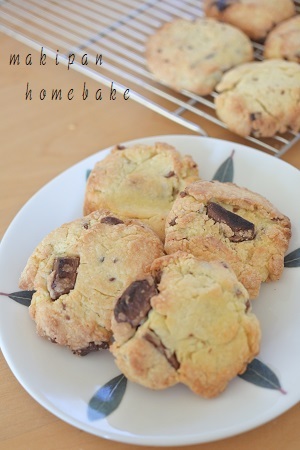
(140, 181)
(284, 41)
(255, 17)
(79, 270)
(189, 322)
(260, 98)
(193, 55)
(214, 221)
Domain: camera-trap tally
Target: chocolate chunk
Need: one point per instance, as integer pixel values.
(92, 347)
(242, 229)
(152, 337)
(157, 278)
(247, 306)
(121, 147)
(111, 220)
(255, 116)
(222, 4)
(170, 174)
(174, 192)
(134, 303)
(173, 221)
(63, 276)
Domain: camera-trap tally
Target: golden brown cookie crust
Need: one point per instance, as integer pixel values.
(199, 331)
(255, 17)
(109, 253)
(260, 98)
(256, 257)
(140, 181)
(193, 55)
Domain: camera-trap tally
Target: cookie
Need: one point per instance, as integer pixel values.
(284, 41)
(254, 17)
(193, 55)
(222, 221)
(140, 181)
(79, 270)
(190, 323)
(260, 98)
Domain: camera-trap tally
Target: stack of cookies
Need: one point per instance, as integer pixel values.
(160, 269)
(215, 53)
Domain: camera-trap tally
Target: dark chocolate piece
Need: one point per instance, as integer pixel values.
(255, 116)
(92, 347)
(111, 220)
(173, 222)
(157, 278)
(152, 337)
(170, 174)
(242, 229)
(63, 276)
(209, 56)
(247, 306)
(222, 4)
(134, 303)
(174, 192)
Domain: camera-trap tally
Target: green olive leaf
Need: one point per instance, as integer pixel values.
(261, 375)
(292, 259)
(225, 172)
(107, 398)
(87, 174)
(22, 297)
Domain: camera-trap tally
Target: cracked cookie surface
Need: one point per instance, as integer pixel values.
(284, 41)
(255, 17)
(79, 270)
(193, 55)
(214, 220)
(140, 181)
(260, 98)
(194, 326)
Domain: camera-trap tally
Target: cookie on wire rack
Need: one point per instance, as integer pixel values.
(193, 55)
(256, 18)
(284, 41)
(260, 98)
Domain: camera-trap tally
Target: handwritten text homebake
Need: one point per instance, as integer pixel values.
(70, 61)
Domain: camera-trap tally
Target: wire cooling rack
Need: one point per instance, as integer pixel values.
(118, 30)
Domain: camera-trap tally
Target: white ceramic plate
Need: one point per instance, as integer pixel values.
(64, 383)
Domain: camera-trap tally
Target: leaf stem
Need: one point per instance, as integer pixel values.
(284, 392)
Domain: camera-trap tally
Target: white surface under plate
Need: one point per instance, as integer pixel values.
(64, 383)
